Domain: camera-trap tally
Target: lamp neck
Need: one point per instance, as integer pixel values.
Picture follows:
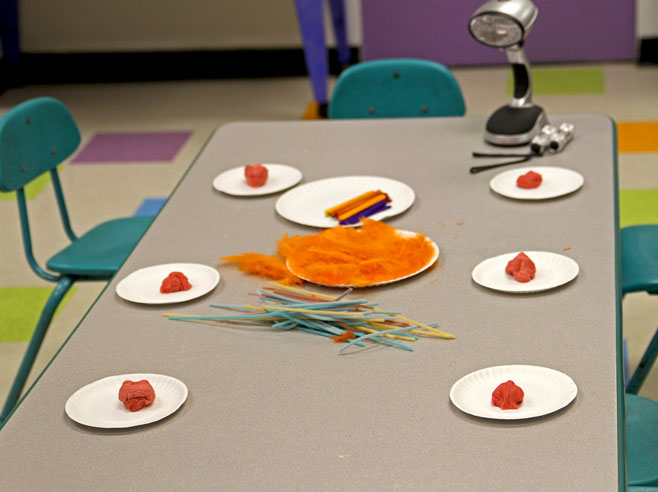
(522, 81)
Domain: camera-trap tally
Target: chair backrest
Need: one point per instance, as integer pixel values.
(396, 88)
(35, 136)
(639, 259)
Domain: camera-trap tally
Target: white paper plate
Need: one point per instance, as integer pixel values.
(97, 404)
(306, 203)
(279, 177)
(421, 269)
(545, 391)
(556, 181)
(553, 270)
(143, 285)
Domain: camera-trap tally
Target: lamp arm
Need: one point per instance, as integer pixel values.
(522, 80)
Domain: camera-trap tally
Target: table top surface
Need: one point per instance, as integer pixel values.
(271, 410)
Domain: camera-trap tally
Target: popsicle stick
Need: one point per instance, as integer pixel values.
(389, 335)
(314, 311)
(375, 336)
(443, 334)
(301, 291)
(350, 203)
(347, 214)
(232, 307)
(287, 308)
(374, 209)
(220, 318)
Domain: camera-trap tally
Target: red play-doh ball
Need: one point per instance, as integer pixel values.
(529, 180)
(507, 396)
(256, 175)
(521, 267)
(175, 282)
(136, 395)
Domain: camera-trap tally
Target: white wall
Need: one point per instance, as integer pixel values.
(49, 26)
(646, 16)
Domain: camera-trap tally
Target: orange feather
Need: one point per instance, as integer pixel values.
(372, 254)
(271, 267)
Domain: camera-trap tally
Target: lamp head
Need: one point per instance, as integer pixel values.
(502, 23)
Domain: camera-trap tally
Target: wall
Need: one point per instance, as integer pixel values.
(565, 30)
(50, 26)
(647, 18)
(434, 29)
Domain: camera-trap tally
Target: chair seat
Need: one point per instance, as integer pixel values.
(101, 251)
(639, 258)
(641, 440)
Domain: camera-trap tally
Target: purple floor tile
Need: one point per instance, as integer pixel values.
(132, 147)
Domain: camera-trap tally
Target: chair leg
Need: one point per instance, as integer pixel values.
(627, 371)
(55, 298)
(644, 367)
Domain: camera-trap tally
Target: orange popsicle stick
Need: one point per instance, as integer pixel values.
(363, 206)
(335, 210)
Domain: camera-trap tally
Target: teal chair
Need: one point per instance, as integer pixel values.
(639, 273)
(641, 440)
(396, 88)
(35, 137)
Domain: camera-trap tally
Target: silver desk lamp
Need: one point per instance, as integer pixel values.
(504, 24)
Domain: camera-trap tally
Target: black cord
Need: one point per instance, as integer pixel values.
(479, 169)
(483, 154)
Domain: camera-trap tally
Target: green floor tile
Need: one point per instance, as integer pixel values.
(20, 308)
(638, 207)
(564, 81)
(31, 190)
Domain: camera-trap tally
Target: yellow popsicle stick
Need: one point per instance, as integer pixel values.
(442, 334)
(423, 332)
(386, 327)
(301, 291)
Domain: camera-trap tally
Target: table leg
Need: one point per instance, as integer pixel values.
(340, 30)
(311, 24)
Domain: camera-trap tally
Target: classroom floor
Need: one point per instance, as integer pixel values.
(98, 189)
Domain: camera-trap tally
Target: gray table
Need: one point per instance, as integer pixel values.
(282, 411)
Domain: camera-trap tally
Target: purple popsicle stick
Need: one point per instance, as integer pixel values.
(373, 209)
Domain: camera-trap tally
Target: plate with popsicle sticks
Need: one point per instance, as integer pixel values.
(307, 204)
